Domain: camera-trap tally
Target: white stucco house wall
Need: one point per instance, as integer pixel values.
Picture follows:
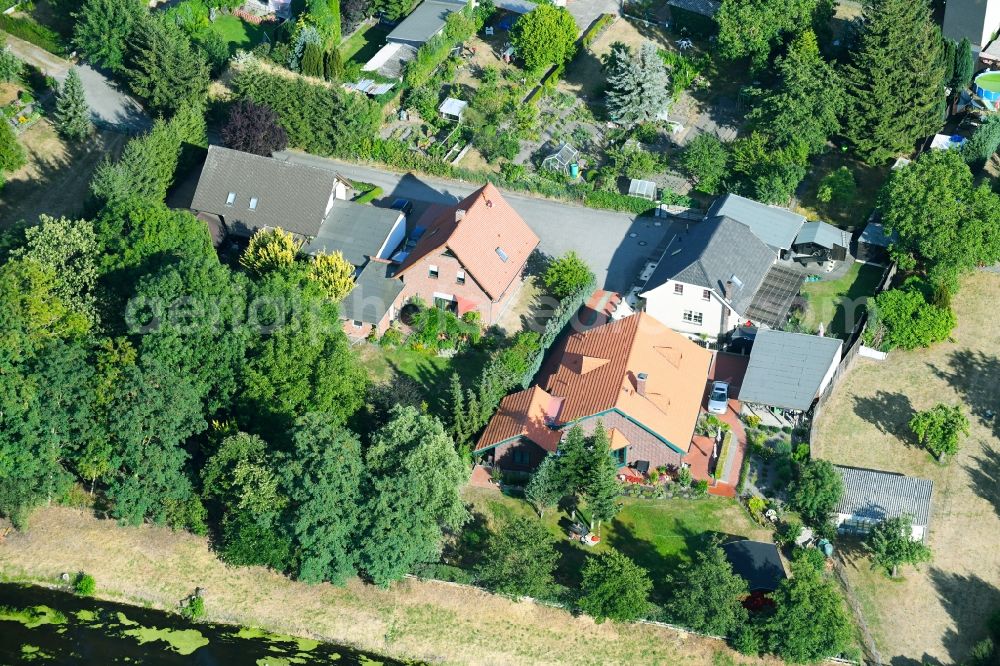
(706, 280)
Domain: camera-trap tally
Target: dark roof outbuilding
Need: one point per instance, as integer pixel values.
(757, 562)
(375, 290)
(356, 230)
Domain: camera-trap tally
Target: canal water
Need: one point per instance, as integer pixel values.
(43, 626)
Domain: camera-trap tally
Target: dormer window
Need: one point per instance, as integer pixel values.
(231, 199)
(253, 203)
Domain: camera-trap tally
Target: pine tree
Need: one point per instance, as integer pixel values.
(312, 61)
(964, 67)
(894, 80)
(459, 412)
(544, 488)
(638, 87)
(602, 488)
(333, 65)
(166, 70)
(72, 112)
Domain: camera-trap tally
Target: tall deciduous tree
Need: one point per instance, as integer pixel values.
(807, 103)
(11, 67)
(102, 30)
(891, 543)
(254, 128)
(638, 87)
(939, 428)
(164, 68)
(69, 248)
(705, 160)
(894, 80)
(752, 28)
(12, 155)
(943, 221)
(301, 363)
(708, 596)
(322, 478)
(810, 621)
(614, 587)
(412, 494)
(154, 410)
(520, 558)
(72, 112)
(545, 36)
(816, 491)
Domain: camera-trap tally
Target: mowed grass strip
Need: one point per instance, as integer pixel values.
(418, 620)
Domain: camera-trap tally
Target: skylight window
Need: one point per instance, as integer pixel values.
(503, 255)
(231, 199)
(253, 203)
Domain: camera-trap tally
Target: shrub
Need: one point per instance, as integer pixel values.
(706, 160)
(193, 608)
(837, 187)
(393, 337)
(596, 28)
(566, 275)
(902, 318)
(700, 488)
(684, 476)
(84, 585)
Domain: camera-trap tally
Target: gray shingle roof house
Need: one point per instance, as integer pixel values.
(871, 496)
(424, 22)
(359, 231)
(710, 255)
(756, 562)
(976, 19)
(375, 290)
(775, 226)
(251, 192)
(789, 370)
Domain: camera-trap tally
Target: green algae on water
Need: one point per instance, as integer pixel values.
(182, 641)
(34, 616)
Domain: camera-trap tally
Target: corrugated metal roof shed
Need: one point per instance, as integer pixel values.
(786, 369)
(880, 495)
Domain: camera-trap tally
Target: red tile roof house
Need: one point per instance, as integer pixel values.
(471, 256)
(643, 381)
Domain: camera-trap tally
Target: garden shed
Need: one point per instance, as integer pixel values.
(789, 370)
(871, 496)
(561, 159)
(452, 109)
(643, 189)
(873, 244)
(819, 241)
(756, 562)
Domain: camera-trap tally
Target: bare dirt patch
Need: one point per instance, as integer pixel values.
(57, 175)
(435, 622)
(937, 612)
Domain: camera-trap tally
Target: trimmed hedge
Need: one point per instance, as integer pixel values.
(33, 32)
(621, 202)
(595, 29)
(369, 196)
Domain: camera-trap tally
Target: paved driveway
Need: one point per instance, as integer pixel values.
(110, 107)
(615, 245)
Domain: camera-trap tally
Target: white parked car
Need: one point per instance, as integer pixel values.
(718, 400)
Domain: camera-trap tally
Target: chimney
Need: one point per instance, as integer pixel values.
(640, 383)
(459, 214)
(727, 290)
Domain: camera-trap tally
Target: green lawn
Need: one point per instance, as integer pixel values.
(239, 34)
(837, 304)
(657, 534)
(432, 373)
(362, 45)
